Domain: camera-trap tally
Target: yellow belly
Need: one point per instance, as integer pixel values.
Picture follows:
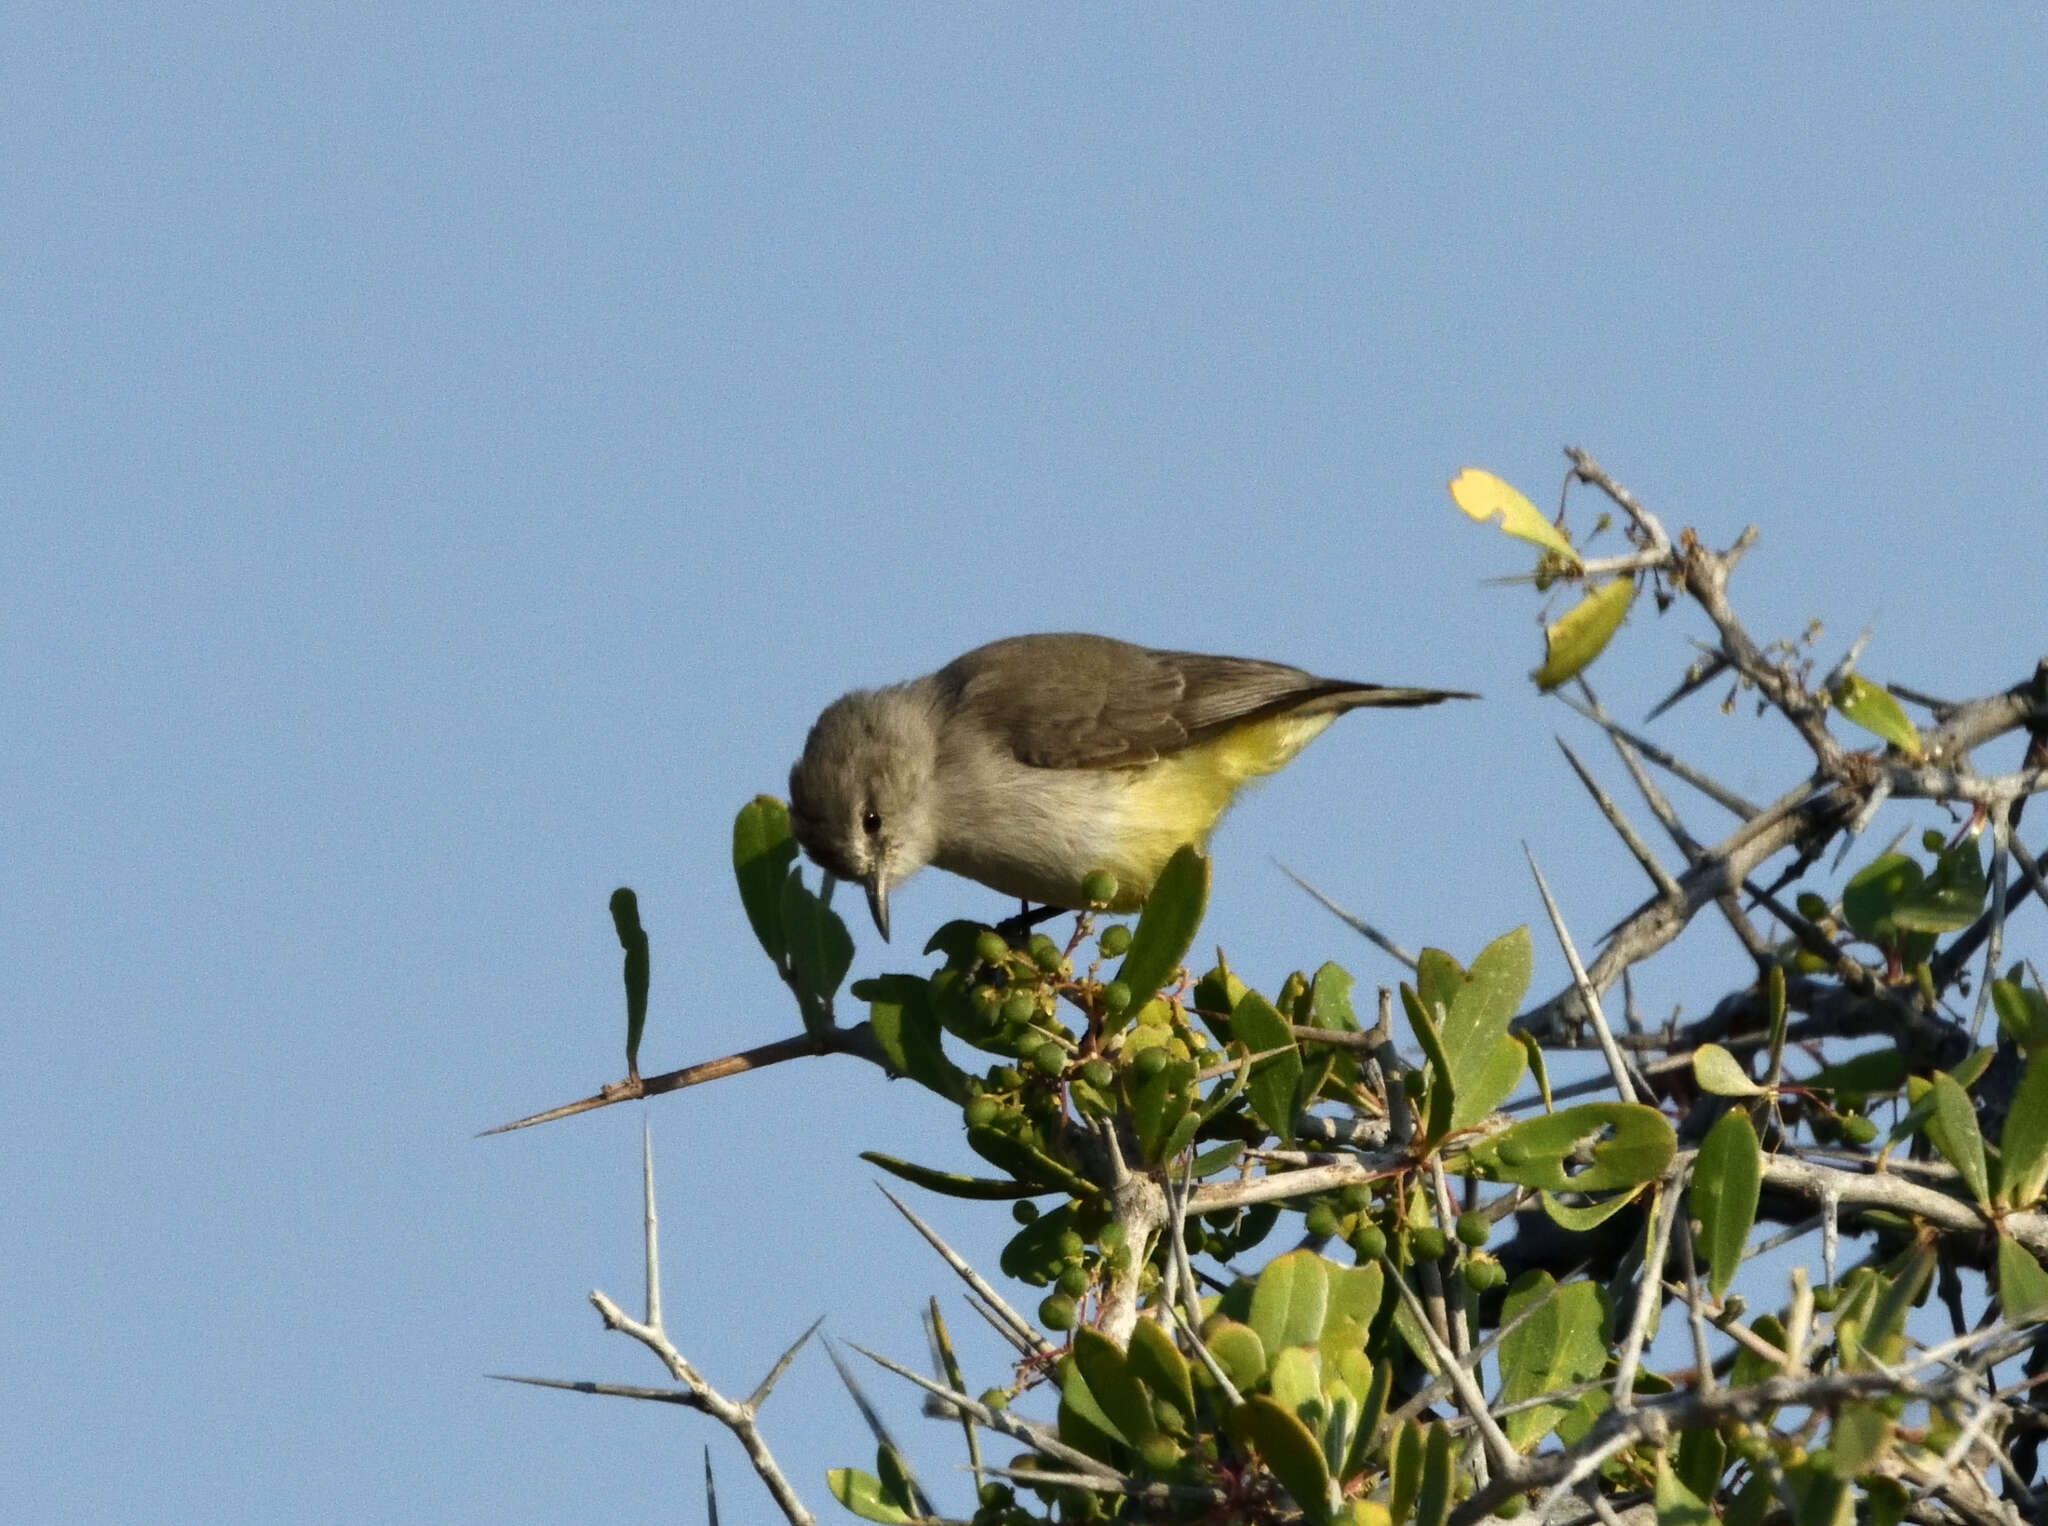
(1180, 798)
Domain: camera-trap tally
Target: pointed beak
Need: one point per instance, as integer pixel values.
(878, 902)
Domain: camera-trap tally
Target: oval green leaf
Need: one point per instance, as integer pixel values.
(1872, 707)
(2023, 1147)
(1718, 1071)
(1726, 1178)
(1167, 925)
(1953, 1130)
(762, 851)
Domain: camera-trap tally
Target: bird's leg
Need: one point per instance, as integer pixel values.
(1017, 928)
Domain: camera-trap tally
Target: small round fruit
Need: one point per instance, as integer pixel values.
(1113, 1235)
(1046, 954)
(1024, 1211)
(1098, 887)
(1426, 1242)
(1071, 1244)
(981, 1112)
(1148, 1062)
(1115, 940)
(1049, 1058)
(1827, 1298)
(990, 946)
(1475, 1228)
(1073, 1281)
(1483, 1272)
(1858, 1129)
(1116, 998)
(1355, 1197)
(1159, 1452)
(1321, 1221)
(997, 1399)
(1019, 1007)
(1004, 1078)
(1057, 1312)
(1099, 1073)
(1368, 1242)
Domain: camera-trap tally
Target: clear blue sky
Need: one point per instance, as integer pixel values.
(451, 453)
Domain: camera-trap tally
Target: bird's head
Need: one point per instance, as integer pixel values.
(861, 797)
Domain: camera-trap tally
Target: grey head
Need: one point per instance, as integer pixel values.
(861, 798)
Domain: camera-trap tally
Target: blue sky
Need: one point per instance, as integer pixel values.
(451, 454)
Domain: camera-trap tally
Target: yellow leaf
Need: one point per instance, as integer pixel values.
(1484, 496)
(1586, 627)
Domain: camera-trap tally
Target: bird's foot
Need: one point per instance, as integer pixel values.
(1016, 929)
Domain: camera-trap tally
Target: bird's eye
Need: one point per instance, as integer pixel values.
(871, 822)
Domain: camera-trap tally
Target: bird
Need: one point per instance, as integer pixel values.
(1031, 762)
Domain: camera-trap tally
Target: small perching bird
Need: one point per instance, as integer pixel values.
(1031, 762)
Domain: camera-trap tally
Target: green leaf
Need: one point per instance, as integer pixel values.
(1701, 1456)
(1082, 1421)
(1951, 897)
(1238, 1351)
(1953, 1131)
(762, 852)
(906, 1028)
(1295, 1379)
(1156, 1362)
(1592, 1215)
(1558, 1346)
(1167, 925)
(1874, 891)
(1355, 1295)
(1433, 1499)
(1631, 1142)
(1726, 1177)
(1290, 1300)
(1116, 1391)
(2022, 1285)
(1884, 1336)
(820, 948)
(1865, 704)
(1858, 1438)
(950, 1183)
(1719, 1072)
(2023, 1146)
(1874, 1071)
(2022, 1013)
(1274, 1079)
(1575, 640)
(1286, 1447)
(1676, 1504)
(1406, 1469)
(1441, 1096)
(1486, 1064)
(1534, 1051)
(861, 1492)
(1003, 1146)
(1159, 1103)
(1484, 496)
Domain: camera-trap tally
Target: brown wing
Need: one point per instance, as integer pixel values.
(1071, 701)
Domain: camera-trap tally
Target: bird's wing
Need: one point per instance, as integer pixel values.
(1071, 701)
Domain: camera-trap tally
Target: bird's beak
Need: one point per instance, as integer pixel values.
(878, 902)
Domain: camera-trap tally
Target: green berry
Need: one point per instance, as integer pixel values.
(1098, 888)
(1368, 1242)
(1511, 1507)
(1004, 1078)
(1049, 1058)
(1355, 1197)
(1475, 1228)
(1483, 1272)
(1116, 997)
(1019, 1007)
(1070, 1244)
(993, 1495)
(1858, 1129)
(1057, 1312)
(1827, 1298)
(1426, 1242)
(1115, 940)
(1932, 840)
(1073, 1281)
(1099, 1073)
(1321, 1221)
(1113, 1235)
(997, 1399)
(1024, 1211)
(990, 946)
(1046, 954)
(981, 1112)
(1148, 1062)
